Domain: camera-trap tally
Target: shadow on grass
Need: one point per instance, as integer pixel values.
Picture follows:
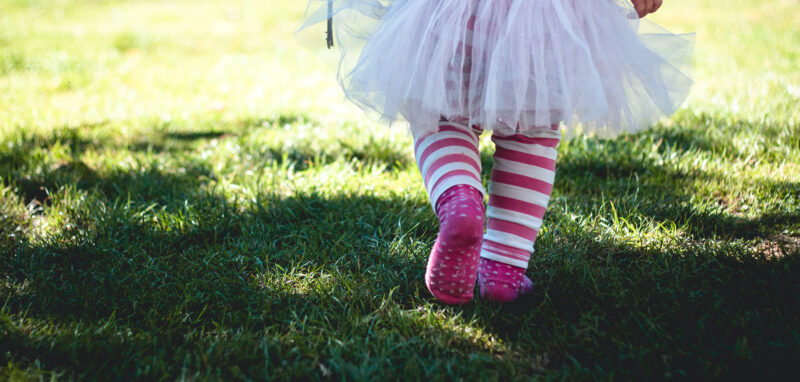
(218, 276)
(704, 310)
(290, 276)
(311, 267)
(158, 138)
(151, 184)
(219, 257)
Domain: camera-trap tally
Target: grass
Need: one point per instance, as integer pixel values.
(184, 195)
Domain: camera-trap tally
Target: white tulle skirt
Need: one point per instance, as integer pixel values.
(508, 65)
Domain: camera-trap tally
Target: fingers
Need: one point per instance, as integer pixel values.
(639, 6)
(656, 5)
(643, 7)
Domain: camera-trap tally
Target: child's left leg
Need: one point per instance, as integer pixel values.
(450, 165)
(519, 191)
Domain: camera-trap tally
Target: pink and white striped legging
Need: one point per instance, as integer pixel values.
(519, 191)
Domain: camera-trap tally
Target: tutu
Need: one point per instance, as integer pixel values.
(508, 65)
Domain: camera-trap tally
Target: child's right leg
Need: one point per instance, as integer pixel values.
(519, 191)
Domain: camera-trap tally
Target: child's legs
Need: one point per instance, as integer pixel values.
(450, 165)
(519, 192)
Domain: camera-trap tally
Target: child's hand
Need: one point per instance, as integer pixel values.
(643, 7)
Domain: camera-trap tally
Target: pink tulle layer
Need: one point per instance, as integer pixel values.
(508, 65)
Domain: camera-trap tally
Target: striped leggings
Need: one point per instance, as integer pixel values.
(519, 187)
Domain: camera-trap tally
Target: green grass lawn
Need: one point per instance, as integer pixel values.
(184, 194)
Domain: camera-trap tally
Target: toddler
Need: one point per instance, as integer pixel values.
(520, 68)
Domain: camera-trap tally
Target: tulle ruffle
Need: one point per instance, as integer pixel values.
(508, 65)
